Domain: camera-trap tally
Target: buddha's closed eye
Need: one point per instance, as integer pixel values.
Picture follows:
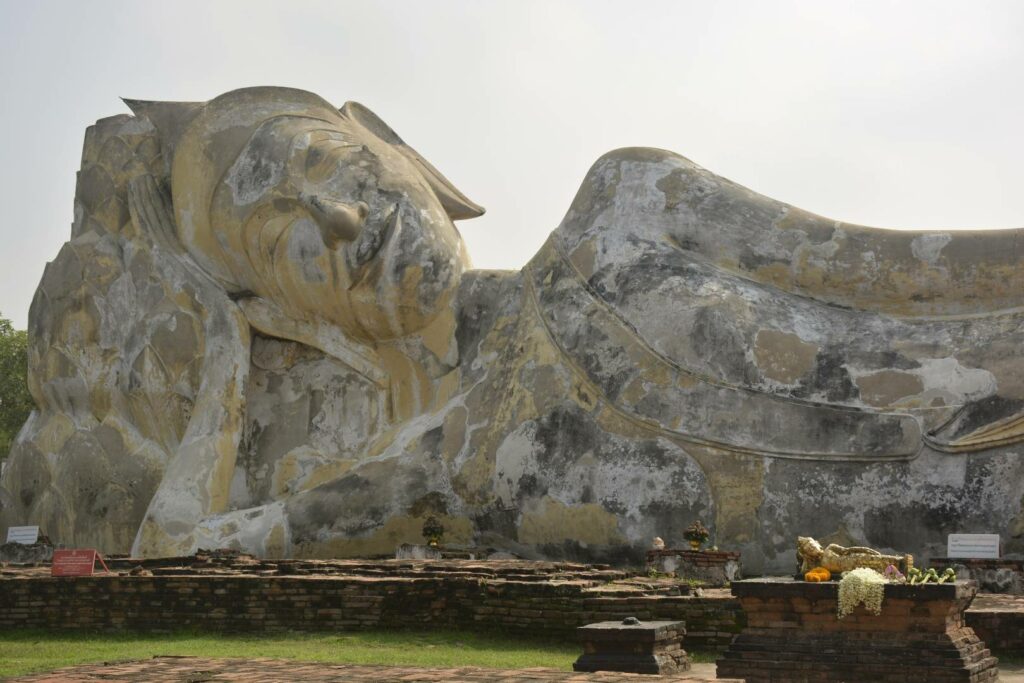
(327, 152)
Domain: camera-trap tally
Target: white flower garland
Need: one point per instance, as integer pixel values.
(861, 586)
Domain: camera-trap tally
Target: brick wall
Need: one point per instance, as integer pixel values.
(242, 603)
(531, 598)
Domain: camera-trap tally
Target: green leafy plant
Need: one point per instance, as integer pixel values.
(15, 401)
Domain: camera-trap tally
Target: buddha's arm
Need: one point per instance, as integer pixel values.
(855, 550)
(197, 479)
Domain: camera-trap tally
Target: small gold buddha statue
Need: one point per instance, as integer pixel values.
(838, 559)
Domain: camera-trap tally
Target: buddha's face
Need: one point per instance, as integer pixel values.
(342, 227)
(326, 219)
(809, 547)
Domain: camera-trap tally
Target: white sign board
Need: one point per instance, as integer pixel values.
(983, 546)
(22, 534)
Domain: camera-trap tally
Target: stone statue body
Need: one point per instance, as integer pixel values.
(264, 334)
(838, 559)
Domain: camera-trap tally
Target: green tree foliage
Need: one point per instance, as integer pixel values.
(15, 401)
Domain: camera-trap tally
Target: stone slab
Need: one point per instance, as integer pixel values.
(634, 646)
(785, 587)
(640, 632)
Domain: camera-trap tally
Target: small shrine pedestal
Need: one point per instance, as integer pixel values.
(715, 568)
(995, 575)
(641, 647)
(26, 553)
(793, 634)
(410, 551)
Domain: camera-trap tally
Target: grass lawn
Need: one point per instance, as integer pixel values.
(34, 651)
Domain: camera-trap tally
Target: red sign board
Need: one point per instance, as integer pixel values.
(75, 562)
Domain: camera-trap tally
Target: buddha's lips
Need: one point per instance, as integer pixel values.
(369, 243)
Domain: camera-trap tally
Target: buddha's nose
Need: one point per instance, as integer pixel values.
(338, 221)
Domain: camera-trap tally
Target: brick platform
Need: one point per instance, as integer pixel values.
(712, 567)
(999, 622)
(793, 635)
(194, 669)
(239, 594)
(244, 595)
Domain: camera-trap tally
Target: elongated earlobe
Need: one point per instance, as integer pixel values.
(457, 205)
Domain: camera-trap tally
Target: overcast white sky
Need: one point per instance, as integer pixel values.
(896, 114)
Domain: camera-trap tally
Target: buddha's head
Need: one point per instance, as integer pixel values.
(808, 548)
(326, 212)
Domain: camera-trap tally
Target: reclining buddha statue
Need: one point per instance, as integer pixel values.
(837, 558)
(265, 334)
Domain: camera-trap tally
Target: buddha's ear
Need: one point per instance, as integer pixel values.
(456, 204)
(169, 118)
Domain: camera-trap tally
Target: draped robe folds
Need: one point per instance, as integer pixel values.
(729, 319)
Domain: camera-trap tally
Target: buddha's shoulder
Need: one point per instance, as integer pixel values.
(631, 174)
(641, 157)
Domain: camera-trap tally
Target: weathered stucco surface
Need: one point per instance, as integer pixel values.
(264, 334)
